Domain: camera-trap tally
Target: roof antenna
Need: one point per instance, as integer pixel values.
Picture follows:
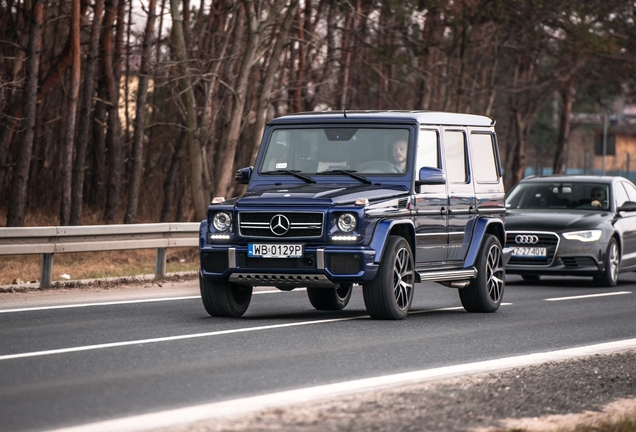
(344, 111)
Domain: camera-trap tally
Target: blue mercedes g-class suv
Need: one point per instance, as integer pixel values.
(383, 199)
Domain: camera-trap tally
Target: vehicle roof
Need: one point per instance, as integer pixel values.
(422, 117)
(572, 178)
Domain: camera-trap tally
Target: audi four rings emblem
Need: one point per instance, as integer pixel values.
(526, 239)
(279, 225)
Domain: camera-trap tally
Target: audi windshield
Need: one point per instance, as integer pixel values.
(546, 195)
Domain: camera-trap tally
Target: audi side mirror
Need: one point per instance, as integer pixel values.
(628, 206)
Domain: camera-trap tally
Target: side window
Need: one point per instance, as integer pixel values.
(428, 149)
(631, 191)
(455, 156)
(620, 196)
(483, 158)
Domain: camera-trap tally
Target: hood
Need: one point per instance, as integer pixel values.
(554, 220)
(318, 194)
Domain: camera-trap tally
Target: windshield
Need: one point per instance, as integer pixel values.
(541, 195)
(333, 150)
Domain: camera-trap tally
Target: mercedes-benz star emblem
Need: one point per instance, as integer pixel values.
(526, 239)
(279, 225)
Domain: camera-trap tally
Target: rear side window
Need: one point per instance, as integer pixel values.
(455, 156)
(483, 158)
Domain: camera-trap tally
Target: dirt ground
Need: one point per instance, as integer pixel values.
(548, 398)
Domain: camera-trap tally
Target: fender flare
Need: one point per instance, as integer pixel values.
(381, 235)
(482, 227)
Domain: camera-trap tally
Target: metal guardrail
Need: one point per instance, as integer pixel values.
(96, 238)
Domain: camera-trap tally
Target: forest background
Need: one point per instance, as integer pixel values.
(136, 111)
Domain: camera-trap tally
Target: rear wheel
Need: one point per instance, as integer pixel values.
(609, 278)
(330, 298)
(223, 298)
(485, 292)
(390, 294)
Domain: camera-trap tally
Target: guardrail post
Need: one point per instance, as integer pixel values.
(160, 266)
(46, 271)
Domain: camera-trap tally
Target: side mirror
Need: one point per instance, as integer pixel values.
(628, 206)
(244, 175)
(431, 176)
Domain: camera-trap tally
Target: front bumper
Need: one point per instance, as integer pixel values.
(319, 267)
(564, 257)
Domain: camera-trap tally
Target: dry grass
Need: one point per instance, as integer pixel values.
(92, 265)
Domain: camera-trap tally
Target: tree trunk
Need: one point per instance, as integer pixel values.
(73, 95)
(194, 146)
(561, 156)
(270, 75)
(228, 152)
(113, 143)
(17, 203)
(140, 117)
(84, 128)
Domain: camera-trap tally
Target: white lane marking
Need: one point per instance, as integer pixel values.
(121, 302)
(588, 296)
(196, 335)
(172, 338)
(235, 407)
(81, 305)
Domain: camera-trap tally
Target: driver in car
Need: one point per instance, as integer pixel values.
(598, 197)
(399, 149)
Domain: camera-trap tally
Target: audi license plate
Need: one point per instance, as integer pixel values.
(261, 250)
(529, 252)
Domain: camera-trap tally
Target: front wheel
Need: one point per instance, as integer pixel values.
(485, 292)
(390, 294)
(330, 298)
(223, 298)
(609, 278)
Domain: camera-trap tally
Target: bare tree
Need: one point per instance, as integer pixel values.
(17, 203)
(84, 127)
(73, 96)
(140, 118)
(194, 146)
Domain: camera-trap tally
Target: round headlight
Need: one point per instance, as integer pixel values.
(222, 221)
(347, 222)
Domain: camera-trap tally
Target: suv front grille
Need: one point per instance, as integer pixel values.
(550, 241)
(301, 224)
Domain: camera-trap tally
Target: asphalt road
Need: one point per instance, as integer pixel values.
(63, 366)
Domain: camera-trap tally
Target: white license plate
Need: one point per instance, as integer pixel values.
(530, 252)
(264, 250)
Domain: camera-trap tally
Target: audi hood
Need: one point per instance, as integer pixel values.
(558, 220)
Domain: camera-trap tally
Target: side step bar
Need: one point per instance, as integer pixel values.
(448, 275)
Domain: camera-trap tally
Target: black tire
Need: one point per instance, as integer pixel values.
(330, 298)
(485, 292)
(531, 278)
(223, 298)
(390, 294)
(609, 278)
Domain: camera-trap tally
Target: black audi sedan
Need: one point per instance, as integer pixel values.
(572, 225)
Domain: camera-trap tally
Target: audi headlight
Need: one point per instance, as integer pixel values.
(347, 222)
(222, 221)
(584, 236)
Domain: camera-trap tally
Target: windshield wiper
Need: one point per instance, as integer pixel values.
(350, 173)
(295, 173)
